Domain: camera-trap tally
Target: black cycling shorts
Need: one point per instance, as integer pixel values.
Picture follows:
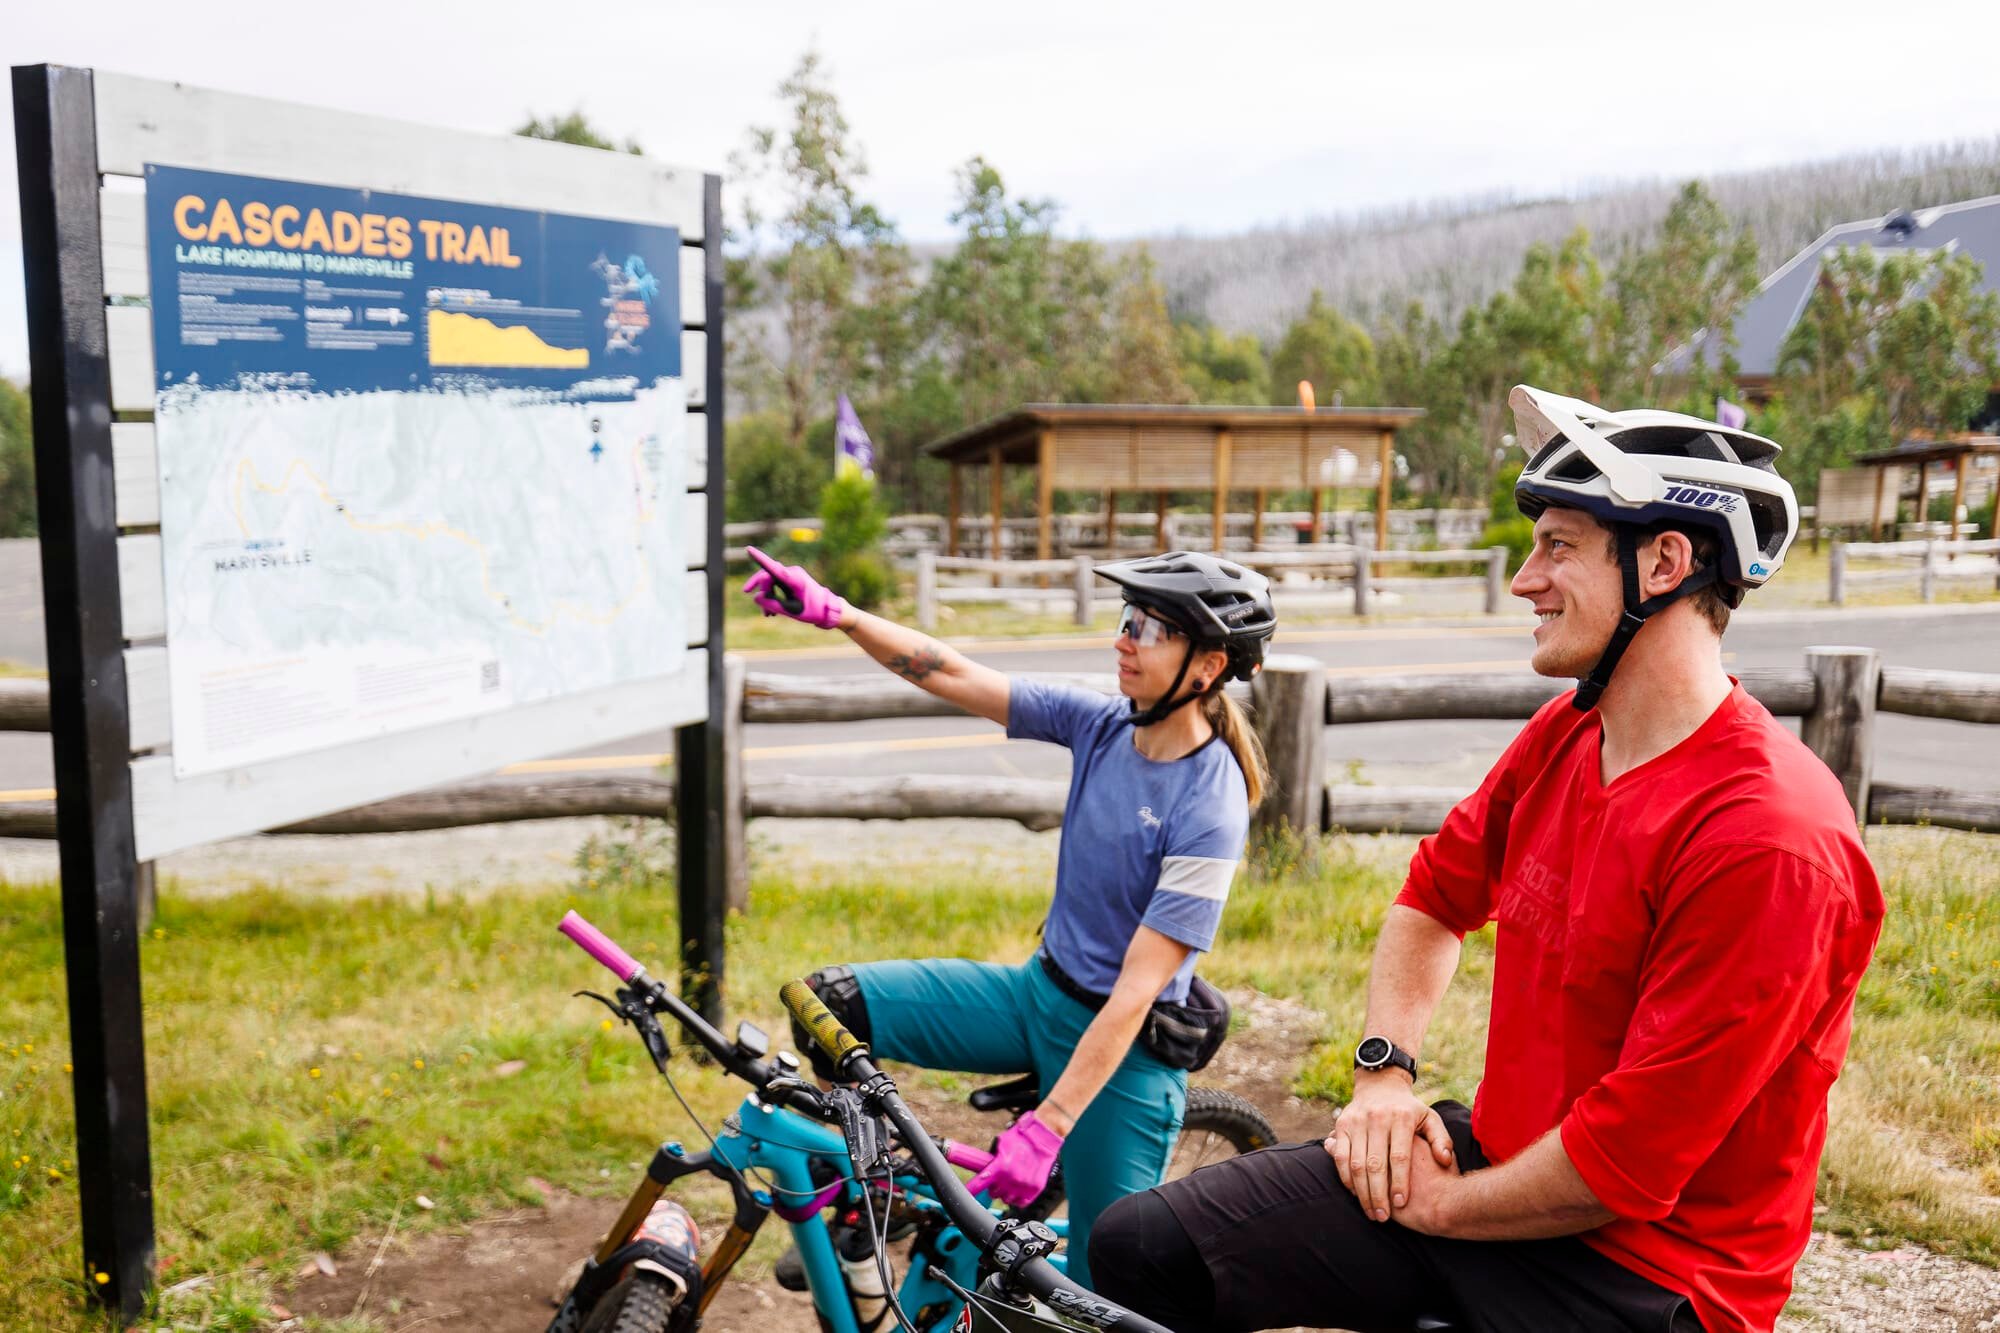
(1274, 1240)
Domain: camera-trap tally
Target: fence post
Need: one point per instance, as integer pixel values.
(1927, 583)
(1086, 584)
(1288, 704)
(927, 598)
(1496, 578)
(1836, 574)
(737, 864)
(1361, 578)
(1840, 729)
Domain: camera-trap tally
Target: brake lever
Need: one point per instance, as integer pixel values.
(786, 1088)
(632, 1008)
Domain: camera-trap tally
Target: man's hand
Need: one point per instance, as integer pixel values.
(1430, 1195)
(1372, 1141)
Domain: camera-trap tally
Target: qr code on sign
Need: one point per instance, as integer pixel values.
(489, 677)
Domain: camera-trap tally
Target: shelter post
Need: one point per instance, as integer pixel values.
(1111, 521)
(1257, 519)
(1387, 456)
(1219, 538)
(1159, 520)
(996, 537)
(1875, 515)
(1958, 468)
(1318, 512)
(1045, 492)
(55, 135)
(1923, 514)
(953, 503)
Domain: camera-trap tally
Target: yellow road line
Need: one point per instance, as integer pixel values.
(29, 794)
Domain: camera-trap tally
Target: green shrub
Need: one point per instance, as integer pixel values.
(1517, 534)
(769, 476)
(862, 577)
(853, 524)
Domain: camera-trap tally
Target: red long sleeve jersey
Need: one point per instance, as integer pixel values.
(1676, 961)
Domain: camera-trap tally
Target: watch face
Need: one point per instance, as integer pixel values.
(1373, 1053)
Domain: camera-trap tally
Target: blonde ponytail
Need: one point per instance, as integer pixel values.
(1234, 727)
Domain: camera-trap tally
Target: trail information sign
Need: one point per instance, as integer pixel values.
(419, 460)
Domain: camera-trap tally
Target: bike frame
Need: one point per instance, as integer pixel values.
(782, 1146)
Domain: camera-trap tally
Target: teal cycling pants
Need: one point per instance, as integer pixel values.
(984, 1018)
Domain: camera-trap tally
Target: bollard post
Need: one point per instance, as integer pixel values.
(1927, 582)
(1086, 584)
(927, 598)
(735, 816)
(1361, 579)
(1836, 574)
(1496, 578)
(1840, 729)
(1288, 707)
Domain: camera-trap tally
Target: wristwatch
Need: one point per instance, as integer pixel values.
(1380, 1053)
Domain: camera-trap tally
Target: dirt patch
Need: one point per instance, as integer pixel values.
(501, 1274)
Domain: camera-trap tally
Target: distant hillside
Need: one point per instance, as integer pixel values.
(1455, 255)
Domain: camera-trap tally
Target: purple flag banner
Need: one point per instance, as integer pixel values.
(852, 449)
(1731, 415)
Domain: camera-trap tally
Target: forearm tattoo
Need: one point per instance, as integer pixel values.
(917, 666)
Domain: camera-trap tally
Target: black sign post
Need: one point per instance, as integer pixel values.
(55, 131)
(698, 764)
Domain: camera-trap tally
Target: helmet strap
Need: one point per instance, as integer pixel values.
(1637, 612)
(1166, 703)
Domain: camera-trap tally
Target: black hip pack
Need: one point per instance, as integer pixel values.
(1182, 1036)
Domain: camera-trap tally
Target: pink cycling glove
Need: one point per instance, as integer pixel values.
(807, 601)
(1022, 1161)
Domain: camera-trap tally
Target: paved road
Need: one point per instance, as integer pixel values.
(1418, 753)
(1427, 753)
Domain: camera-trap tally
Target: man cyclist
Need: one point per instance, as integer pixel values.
(1684, 912)
(1109, 1014)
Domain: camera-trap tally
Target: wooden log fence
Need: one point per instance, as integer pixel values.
(1934, 559)
(1083, 592)
(1837, 693)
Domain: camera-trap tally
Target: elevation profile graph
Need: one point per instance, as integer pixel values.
(458, 339)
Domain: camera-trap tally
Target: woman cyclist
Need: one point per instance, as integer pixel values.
(1108, 1015)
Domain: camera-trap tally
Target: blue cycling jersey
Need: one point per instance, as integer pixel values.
(1144, 842)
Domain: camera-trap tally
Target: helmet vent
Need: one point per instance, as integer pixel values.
(1577, 468)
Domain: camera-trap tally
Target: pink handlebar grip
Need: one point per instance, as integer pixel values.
(967, 1158)
(599, 946)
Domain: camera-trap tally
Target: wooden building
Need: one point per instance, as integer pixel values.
(1111, 448)
(1960, 452)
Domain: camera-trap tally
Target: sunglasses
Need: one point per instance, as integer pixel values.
(1146, 629)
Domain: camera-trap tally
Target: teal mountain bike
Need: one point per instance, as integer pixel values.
(852, 1172)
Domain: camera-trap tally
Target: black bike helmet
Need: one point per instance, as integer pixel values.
(1217, 603)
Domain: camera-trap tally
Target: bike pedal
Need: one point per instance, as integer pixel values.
(790, 1270)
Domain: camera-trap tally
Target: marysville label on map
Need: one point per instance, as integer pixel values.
(419, 459)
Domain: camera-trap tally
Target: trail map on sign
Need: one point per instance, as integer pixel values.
(419, 460)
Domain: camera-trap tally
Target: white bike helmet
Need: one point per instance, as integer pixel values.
(1637, 470)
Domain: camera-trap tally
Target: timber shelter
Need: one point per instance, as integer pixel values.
(1959, 450)
(1157, 449)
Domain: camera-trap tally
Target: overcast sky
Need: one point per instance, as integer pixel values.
(1137, 118)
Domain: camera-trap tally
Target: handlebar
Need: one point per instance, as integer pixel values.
(600, 946)
(1038, 1276)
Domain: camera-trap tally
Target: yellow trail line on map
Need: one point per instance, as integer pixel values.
(426, 531)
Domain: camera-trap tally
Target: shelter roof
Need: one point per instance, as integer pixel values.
(1014, 433)
(1931, 451)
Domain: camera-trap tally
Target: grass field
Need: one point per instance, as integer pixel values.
(316, 1066)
